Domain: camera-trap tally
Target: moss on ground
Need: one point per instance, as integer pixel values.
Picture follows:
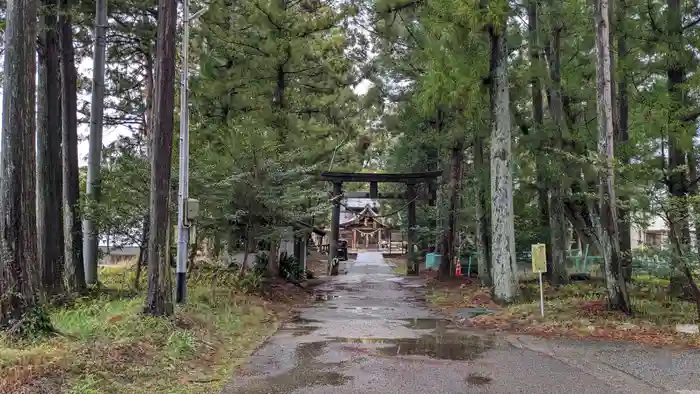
(106, 345)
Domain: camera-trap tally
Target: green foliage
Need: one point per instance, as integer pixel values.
(291, 269)
(272, 106)
(34, 324)
(108, 345)
(125, 182)
(260, 265)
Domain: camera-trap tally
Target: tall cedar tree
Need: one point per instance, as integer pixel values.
(73, 236)
(49, 193)
(159, 299)
(18, 245)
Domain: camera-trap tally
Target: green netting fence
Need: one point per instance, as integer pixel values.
(578, 262)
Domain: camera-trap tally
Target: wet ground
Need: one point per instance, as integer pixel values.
(370, 332)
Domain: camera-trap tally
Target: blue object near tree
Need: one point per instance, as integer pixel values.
(432, 260)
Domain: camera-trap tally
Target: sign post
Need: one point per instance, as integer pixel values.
(539, 265)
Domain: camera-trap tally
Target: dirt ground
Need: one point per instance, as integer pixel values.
(578, 310)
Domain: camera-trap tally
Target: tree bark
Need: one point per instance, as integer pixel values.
(92, 184)
(273, 259)
(448, 240)
(622, 139)
(278, 95)
(249, 234)
(557, 271)
(72, 229)
(677, 179)
(143, 250)
(536, 70)
(505, 286)
(694, 192)
(606, 220)
(483, 227)
(49, 177)
(159, 298)
(147, 133)
(18, 232)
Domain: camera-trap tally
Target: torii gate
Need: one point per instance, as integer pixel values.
(409, 179)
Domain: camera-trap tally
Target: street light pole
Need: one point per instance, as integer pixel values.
(182, 226)
(183, 193)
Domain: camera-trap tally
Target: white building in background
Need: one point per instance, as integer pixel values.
(655, 234)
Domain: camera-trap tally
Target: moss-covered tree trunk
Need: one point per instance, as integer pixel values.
(504, 272)
(605, 221)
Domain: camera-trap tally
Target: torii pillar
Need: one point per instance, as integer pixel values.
(412, 264)
(335, 228)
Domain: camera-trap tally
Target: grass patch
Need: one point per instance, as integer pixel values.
(577, 310)
(107, 346)
(400, 264)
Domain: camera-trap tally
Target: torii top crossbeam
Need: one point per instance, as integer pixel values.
(409, 177)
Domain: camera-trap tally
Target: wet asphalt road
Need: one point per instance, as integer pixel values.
(370, 333)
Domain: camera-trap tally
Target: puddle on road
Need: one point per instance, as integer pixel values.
(425, 324)
(478, 380)
(325, 297)
(350, 289)
(303, 321)
(300, 326)
(307, 372)
(440, 346)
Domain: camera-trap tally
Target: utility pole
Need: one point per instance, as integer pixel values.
(183, 224)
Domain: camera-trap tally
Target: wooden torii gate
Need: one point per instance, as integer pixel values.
(411, 180)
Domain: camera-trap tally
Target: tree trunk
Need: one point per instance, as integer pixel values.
(694, 190)
(216, 247)
(143, 250)
(505, 286)
(50, 245)
(159, 298)
(448, 236)
(606, 220)
(18, 233)
(248, 244)
(149, 68)
(230, 252)
(537, 70)
(622, 139)
(677, 181)
(147, 132)
(557, 271)
(72, 232)
(92, 185)
(273, 259)
(483, 227)
(278, 95)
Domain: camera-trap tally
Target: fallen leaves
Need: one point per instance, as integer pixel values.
(575, 311)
